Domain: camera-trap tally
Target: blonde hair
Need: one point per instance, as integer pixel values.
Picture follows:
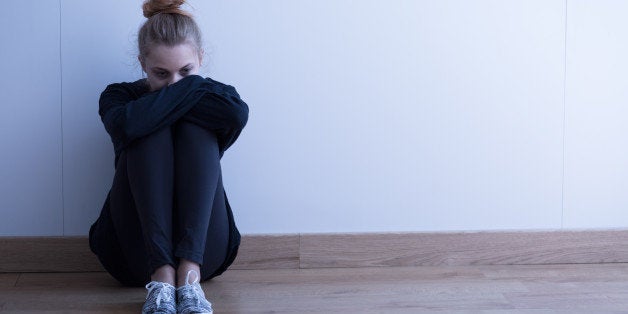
(167, 24)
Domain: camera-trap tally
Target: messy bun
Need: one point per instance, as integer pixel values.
(167, 24)
(152, 7)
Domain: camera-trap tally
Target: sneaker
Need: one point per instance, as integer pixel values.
(160, 298)
(191, 298)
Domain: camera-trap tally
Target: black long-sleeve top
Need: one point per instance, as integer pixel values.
(130, 111)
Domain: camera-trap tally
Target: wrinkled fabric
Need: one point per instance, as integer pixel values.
(129, 111)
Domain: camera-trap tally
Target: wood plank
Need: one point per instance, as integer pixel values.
(558, 273)
(47, 254)
(93, 292)
(491, 289)
(429, 289)
(72, 254)
(466, 248)
(268, 252)
(66, 280)
(8, 280)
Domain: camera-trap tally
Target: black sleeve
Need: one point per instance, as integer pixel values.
(220, 110)
(127, 117)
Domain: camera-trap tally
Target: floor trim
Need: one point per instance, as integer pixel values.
(291, 251)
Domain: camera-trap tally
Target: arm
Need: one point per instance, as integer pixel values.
(127, 117)
(220, 110)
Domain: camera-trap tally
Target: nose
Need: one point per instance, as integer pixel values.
(175, 78)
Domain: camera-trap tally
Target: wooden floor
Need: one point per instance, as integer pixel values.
(575, 288)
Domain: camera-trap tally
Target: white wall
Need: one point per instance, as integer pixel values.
(365, 116)
(30, 119)
(596, 145)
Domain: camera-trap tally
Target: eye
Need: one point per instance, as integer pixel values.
(161, 74)
(185, 71)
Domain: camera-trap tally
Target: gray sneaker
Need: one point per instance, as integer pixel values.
(191, 298)
(160, 298)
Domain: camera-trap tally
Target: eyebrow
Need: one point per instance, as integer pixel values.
(183, 67)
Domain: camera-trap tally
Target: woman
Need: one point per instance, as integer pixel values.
(166, 219)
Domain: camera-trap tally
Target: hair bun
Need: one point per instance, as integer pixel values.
(152, 7)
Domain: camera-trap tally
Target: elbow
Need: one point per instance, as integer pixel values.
(239, 109)
(240, 115)
(242, 119)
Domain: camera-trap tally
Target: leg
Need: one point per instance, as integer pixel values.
(201, 225)
(216, 242)
(217, 235)
(141, 210)
(144, 177)
(150, 166)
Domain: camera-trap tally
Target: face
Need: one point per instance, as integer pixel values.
(166, 65)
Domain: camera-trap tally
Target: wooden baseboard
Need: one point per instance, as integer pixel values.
(72, 254)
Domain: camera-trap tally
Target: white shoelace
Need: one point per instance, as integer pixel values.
(163, 293)
(196, 292)
(187, 277)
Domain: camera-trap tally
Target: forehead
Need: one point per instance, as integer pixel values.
(168, 57)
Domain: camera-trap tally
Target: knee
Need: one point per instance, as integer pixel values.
(160, 139)
(188, 131)
(184, 126)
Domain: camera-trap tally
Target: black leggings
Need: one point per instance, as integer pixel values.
(166, 203)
